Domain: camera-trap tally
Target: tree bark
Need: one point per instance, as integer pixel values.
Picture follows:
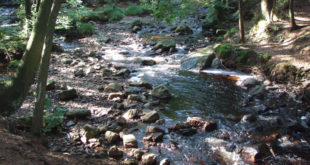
(266, 8)
(14, 94)
(28, 15)
(292, 17)
(241, 25)
(37, 120)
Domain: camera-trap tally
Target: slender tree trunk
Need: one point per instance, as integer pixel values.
(28, 15)
(37, 121)
(267, 7)
(14, 94)
(241, 26)
(292, 17)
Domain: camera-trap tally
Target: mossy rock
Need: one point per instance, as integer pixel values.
(225, 51)
(283, 72)
(68, 94)
(183, 30)
(247, 57)
(165, 45)
(200, 59)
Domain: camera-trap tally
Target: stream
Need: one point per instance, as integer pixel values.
(195, 94)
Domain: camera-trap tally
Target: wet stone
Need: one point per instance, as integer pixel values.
(149, 159)
(113, 87)
(102, 128)
(165, 161)
(183, 129)
(138, 154)
(130, 141)
(78, 113)
(153, 129)
(107, 72)
(79, 73)
(123, 72)
(255, 153)
(114, 152)
(249, 118)
(111, 137)
(130, 161)
(154, 137)
(89, 131)
(150, 117)
(148, 62)
(136, 97)
(131, 114)
(161, 92)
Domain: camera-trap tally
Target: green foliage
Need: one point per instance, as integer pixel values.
(230, 32)
(281, 9)
(113, 13)
(219, 38)
(85, 28)
(170, 10)
(54, 119)
(14, 64)
(224, 51)
(266, 57)
(12, 43)
(134, 9)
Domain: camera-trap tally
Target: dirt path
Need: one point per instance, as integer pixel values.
(292, 46)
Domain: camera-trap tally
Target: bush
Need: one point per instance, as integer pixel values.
(247, 57)
(134, 9)
(111, 13)
(85, 28)
(54, 119)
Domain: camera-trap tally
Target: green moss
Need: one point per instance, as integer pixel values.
(266, 57)
(247, 57)
(85, 28)
(134, 9)
(224, 51)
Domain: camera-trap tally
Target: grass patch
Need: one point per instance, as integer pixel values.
(85, 28)
(133, 10)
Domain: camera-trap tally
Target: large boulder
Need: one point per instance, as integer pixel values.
(150, 117)
(165, 45)
(161, 92)
(200, 59)
(67, 94)
(130, 141)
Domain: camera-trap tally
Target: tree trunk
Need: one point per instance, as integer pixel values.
(37, 120)
(28, 15)
(266, 8)
(14, 94)
(292, 17)
(241, 26)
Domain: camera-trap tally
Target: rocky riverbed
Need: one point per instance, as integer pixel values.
(129, 100)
